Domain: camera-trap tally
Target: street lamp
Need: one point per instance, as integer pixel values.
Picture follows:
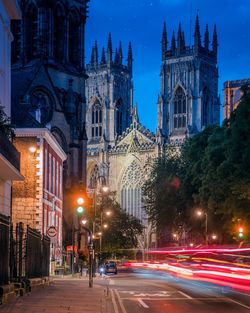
(200, 213)
(214, 237)
(32, 149)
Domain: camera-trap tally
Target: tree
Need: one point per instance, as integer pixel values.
(6, 127)
(163, 199)
(123, 229)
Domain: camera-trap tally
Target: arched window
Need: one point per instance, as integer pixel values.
(93, 179)
(16, 43)
(31, 31)
(59, 22)
(96, 120)
(41, 106)
(180, 109)
(205, 107)
(119, 126)
(74, 34)
(131, 191)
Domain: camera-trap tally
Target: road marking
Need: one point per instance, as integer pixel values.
(184, 294)
(142, 303)
(114, 302)
(239, 303)
(120, 301)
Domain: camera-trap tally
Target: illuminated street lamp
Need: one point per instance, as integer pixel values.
(105, 225)
(105, 189)
(214, 237)
(99, 234)
(108, 213)
(32, 149)
(200, 213)
(80, 200)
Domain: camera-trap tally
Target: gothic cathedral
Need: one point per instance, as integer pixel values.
(188, 99)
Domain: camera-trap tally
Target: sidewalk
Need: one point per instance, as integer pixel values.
(64, 295)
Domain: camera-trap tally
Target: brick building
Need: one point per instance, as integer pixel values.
(232, 94)
(38, 200)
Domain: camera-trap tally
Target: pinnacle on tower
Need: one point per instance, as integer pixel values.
(173, 46)
(109, 50)
(130, 58)
(215, 41)
(197, 34)
(179, 40)
(206, 39)
(120, 53)
(103, 58)
(183, 40)
(94, 55)
(116, 60)
(164, 42)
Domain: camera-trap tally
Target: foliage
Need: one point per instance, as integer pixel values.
(123, 229)
(213, 173)
(5, 124)
(162, 191)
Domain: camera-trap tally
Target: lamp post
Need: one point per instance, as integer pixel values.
(200, 213)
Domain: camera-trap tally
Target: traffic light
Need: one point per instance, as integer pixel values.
(80, 200)
(80, 210)
(241, 233)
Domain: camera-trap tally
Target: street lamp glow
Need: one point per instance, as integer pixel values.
(241, 230)
(32, 149)
(191, 244)
(80, 201)
(175, 235)
(199, 213)
(214, 237)
(105, 189)
(108, 213)
(99, 234)
(84, 221)
(105, 225)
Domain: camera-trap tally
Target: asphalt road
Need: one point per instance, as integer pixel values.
(140, 291)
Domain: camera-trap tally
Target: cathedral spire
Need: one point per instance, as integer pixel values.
(173, 46)
(197, 34)
(116, 60)
(183, 41)
(206, 39)
(120, 53)
(180, 40)
(103, 58)
(164, 42)
(215, 41)
(109, 50)
(94, 55)
(130, 58)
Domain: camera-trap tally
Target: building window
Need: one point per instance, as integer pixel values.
(41, 106)
(31, 31)
(131, 191)
(59, 22)
(74, 38)
(96, 120)
(180, 109)
(16, 43)
(205, 108)
(119, 126)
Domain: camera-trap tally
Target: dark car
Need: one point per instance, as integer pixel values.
(110, 267)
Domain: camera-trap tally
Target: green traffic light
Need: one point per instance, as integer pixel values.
(80, 210)
(241, 235)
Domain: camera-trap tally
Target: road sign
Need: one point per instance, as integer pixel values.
(52, 231)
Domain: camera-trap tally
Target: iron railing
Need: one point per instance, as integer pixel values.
(4, 248)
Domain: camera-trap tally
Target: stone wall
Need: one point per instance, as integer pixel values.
(24, 193)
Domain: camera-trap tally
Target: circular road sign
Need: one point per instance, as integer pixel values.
(52, 231)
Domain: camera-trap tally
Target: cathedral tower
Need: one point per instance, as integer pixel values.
(188, 99)
(109, 93)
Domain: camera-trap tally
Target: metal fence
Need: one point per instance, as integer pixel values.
(4, 249)
(24, 253)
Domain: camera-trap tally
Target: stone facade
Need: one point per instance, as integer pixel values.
(232, 94)
(48, 80)
(120, 149)
(188, 99)
(9, 157)
(38, 200)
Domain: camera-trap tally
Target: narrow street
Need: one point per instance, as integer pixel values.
(156, 292)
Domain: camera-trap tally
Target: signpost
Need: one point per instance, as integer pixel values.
(52, 231)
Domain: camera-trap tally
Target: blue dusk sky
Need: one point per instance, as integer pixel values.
(141, 21)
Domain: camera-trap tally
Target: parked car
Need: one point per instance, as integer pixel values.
(108, 267)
